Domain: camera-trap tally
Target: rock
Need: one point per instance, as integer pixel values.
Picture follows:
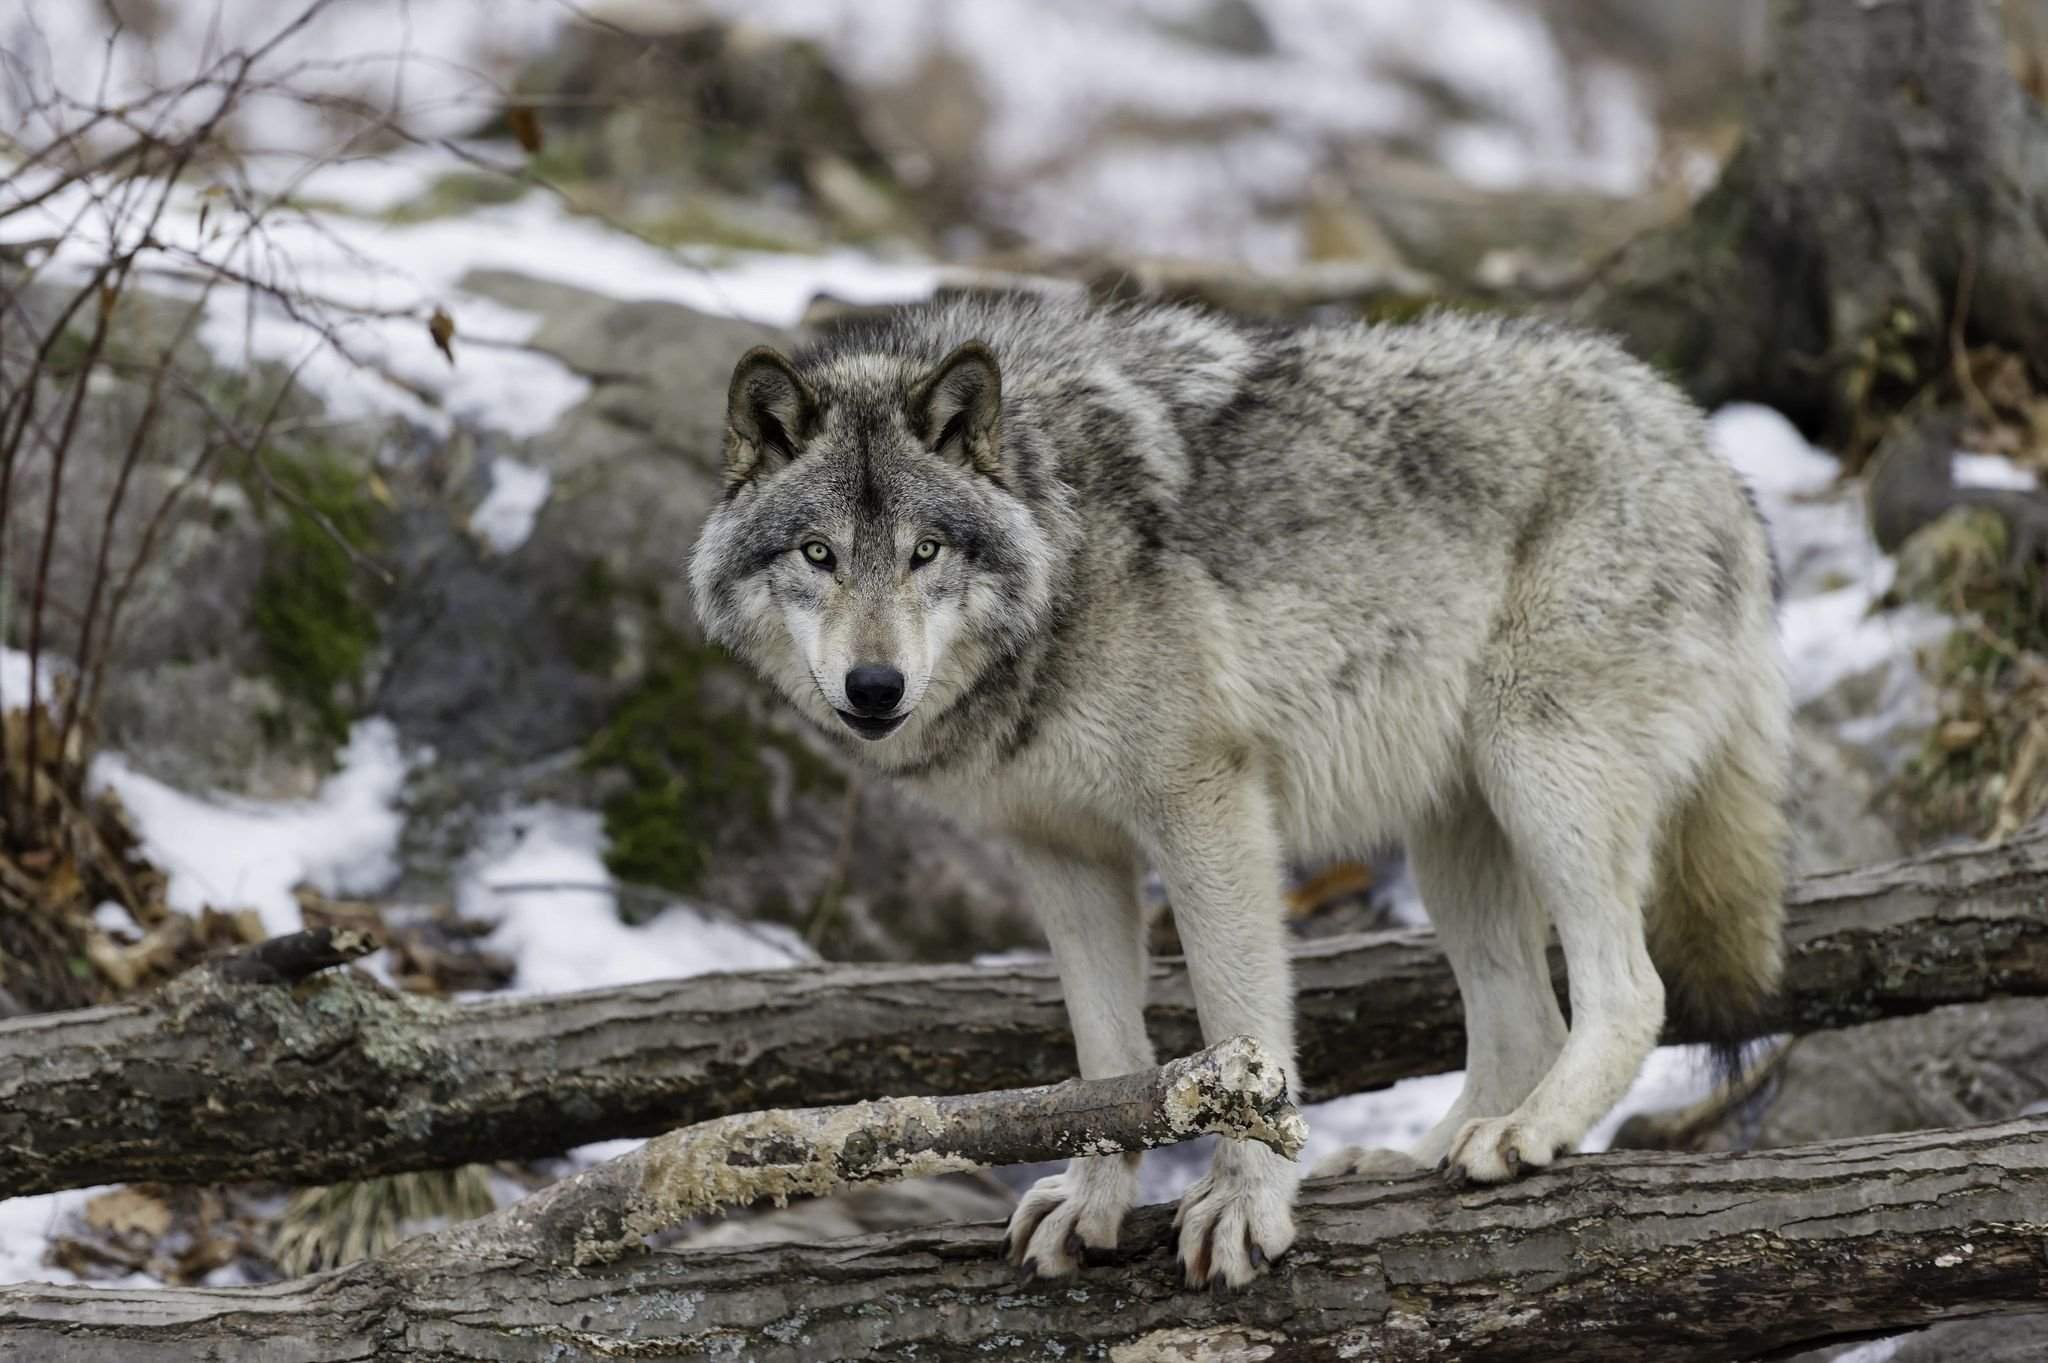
(1835, 802)
(1234, 26)
(195, 691)
(686, 128)
(1955, 1066)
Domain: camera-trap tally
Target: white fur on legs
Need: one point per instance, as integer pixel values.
(1220, 855)
(1092, 921)
(1493, 930)
(1582, 836)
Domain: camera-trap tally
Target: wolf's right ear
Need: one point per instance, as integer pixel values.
(769, 413)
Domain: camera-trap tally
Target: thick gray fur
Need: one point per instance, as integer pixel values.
(1207, 596)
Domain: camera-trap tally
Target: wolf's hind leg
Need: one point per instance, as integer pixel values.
(1583, 834)
(1492, 926)
(1091, 917)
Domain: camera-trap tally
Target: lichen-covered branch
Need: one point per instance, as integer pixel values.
(338, 1079)
(1234, 1088)
(1601, 1259)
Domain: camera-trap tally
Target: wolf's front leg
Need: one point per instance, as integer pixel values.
(1092, 921)
(1220, 853)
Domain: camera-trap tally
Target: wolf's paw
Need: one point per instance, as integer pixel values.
(1358, 1161)
(1064, 1216)
(1496, 1149)
(1237, 1218)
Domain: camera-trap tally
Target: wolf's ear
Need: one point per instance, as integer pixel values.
(955, 409)
(769, 414)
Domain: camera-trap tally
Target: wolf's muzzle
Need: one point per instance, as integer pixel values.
(873, 691)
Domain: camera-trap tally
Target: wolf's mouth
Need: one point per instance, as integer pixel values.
(880, 726)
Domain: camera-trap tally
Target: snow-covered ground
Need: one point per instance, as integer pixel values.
(1055, 78)
(539, 872)
(1337, 72)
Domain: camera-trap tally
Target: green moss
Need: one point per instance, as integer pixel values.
(589, 636)
(692, 223)
(459, 191)
(695, 775)
(312, 608)
(67, 353)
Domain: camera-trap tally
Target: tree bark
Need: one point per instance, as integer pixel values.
(1892, 175)
(1608, 1257)
(338, 1078)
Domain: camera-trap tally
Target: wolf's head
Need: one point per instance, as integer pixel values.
(869, 557)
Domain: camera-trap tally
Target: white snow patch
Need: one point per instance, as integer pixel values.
(506, 515)
(542, 877)
(1834, 576)
(1390, 1118)
(361, 343)
(14, 676)
(1993, 470)
(235, 854)
(26, 1227)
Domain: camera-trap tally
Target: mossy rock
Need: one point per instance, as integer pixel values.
(313, 607)
(697, 771)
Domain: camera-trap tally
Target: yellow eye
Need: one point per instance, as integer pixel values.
(818, 552)
(926, 551)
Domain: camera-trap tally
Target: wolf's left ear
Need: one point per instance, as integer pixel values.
(956, 408)
(769, 413)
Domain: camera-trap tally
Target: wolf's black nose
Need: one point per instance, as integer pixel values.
(872, 690)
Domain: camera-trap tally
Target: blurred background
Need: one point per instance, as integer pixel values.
(362, 374)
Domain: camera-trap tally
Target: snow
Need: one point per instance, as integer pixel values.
(27, 1225)
(506, 515)
(1341, 73)
(235, 854)
(1993, 470)
(14, 676)
(1834, 577)
(540, 874)
(363, 345)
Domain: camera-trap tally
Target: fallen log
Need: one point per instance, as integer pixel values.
(1601, 1258)
(337, 1078)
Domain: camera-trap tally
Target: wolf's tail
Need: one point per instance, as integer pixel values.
(1717, 914)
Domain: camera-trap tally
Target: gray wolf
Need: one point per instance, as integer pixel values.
(1145, 586)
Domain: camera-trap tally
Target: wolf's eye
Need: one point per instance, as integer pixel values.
(926, 551)
(818, 552)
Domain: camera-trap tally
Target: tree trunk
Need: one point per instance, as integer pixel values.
(1608, 1257)
(1891, 175)
(337, 1078)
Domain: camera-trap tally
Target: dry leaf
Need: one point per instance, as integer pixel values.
(442, 328)
(125, 1210)
(525, 126)
(1331, 885)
